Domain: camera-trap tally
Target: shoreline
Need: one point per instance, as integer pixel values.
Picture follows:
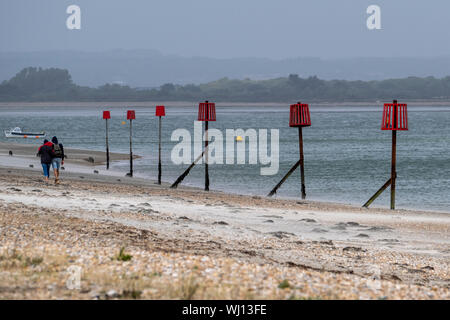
(114, 104)
(112, 177)
(79, 157)
(77, 163)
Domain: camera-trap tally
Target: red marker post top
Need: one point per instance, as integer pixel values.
(106, 115)
(299, 115)
(131, 115)
(207, 111)
(160, 111)
(395, 117)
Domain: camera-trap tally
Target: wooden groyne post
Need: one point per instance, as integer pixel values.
(131, 115)
(299, 117)
(160, 112)
(395, 118)
(206, 113)
(106, 116)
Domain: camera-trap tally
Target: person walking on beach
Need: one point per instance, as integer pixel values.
(58, 158)
(46, 153)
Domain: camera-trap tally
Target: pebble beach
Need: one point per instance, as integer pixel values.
(132, 239)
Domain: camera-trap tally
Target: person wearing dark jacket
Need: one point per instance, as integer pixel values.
(58, 158)
(46, 153)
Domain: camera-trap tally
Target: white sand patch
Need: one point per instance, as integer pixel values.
(172, 214)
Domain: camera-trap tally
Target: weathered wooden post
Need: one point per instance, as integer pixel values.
(160, 112)
(394, 157)
(206, 113)
(299, 117)
(302, 159)
(131, 115)
(395, 118)
(106, 116)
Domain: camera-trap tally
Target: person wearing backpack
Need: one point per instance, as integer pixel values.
(47, 154)
(58, 158)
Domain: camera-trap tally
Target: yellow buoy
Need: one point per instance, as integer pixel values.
(238, 138)
(124, 122)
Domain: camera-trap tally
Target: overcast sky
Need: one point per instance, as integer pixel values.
(231, 28)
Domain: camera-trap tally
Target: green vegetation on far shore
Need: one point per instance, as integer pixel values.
(46, 85)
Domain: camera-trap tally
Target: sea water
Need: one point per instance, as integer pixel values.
(347, 156)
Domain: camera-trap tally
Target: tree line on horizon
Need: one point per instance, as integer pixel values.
(46, 85)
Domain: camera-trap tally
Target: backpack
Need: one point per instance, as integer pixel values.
(58, 151)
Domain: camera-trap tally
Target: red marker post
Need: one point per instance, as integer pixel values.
(106, 116)
(395, 118)
(160, 112)
(131, 115)
(206, 113)
(298, 117)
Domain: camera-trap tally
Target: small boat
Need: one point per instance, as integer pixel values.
(17, 133)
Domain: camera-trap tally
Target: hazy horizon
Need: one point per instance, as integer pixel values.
(149, 43)
(159, 52)
(283, 29)
(150, 68)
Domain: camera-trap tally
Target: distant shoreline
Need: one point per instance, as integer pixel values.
(194, 103)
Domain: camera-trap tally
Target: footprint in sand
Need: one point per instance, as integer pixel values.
(380, 228)
(354, 249)
(281, 234)
(389, 240)
(353, 224)
(145, 204)
(340, 226)
(146, 211)
(271, 216)
(362, 235)
(308, 220)
(222, 223)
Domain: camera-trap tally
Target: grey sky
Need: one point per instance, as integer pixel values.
(231, 28)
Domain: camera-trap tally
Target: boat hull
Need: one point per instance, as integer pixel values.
(24, 135)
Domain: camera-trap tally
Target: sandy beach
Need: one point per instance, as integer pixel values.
(191, 244)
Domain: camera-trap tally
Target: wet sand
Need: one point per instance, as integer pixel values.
(74, 156)
(187, 243)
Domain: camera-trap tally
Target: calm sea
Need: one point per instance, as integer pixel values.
(347, 156)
